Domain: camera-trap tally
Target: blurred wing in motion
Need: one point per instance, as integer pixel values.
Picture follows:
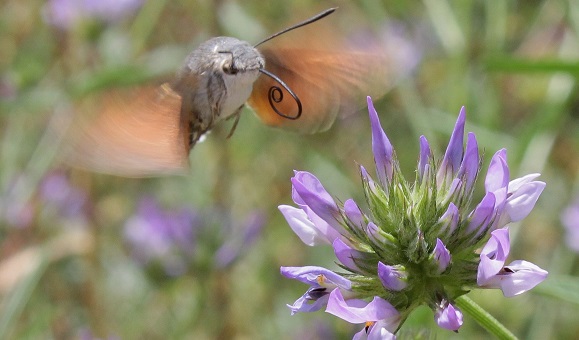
(136, 134)
(327, 82)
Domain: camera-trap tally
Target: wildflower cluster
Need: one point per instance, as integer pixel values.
(419, 244)
(172, 242)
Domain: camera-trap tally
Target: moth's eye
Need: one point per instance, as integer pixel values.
(229, 68)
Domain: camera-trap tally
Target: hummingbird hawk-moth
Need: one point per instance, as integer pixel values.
(301, 87)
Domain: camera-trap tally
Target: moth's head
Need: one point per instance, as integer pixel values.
(227, 56)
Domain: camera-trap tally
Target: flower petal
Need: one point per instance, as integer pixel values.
(354, 214)
(448, 317)
(360, 311)
(521, 276)
(301, 225)
(379, 330)
(522, 200)
(441, 256)
(449, 220)
(393, 278)
(492, 258)
(316, 276)
(381, 147)
(482, 215)
(348, 256)
(309, 190)
(306, 303)
(425, 158)
(453, 155)
(498, 173)
(470, 163)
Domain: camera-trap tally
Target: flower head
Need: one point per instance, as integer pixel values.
(419, 243)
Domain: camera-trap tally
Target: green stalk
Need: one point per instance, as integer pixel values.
(483, 318)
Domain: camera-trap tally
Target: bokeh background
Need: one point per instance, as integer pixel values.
(87, 255)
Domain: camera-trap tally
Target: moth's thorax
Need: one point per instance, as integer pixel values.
(224, 70)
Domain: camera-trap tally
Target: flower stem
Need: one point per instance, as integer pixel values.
(483, 318)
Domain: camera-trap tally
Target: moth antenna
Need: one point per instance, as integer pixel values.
(275, 96)
(275, 93)
(298, 25)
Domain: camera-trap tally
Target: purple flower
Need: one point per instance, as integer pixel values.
(381, 147)
(392, 277)
(322, 282)
(570, 220)
(424, 160)
(375, 330)
(54, 197)
(349, 256)
(234, 247)
(169, 239)
(376, 235)
(482, 215)
(449, 220)
(419, 243)
(308, 191)
(56, 190)
(354, 214)
(309, 232)
(161, 236)
(513, 279)
(441, 256)
(497, 179)
(470, 163)
(448, 317)
(65, 14)
(453, 156)
(15, 207)
(360, 311)
(522, 194)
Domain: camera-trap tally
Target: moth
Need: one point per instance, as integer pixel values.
(301, 87)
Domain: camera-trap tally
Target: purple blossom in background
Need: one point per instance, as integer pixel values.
(570, 220)
(165, 237)
(55, 189)
(65, 14)
(16, 209)
(234, 247)
(171, 238)
(419, 243)
(54, 197)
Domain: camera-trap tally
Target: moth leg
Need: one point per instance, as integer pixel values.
(237, 115)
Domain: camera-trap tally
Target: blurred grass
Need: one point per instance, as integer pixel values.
(512, 64)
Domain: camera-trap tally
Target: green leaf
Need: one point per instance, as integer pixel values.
(565, 288)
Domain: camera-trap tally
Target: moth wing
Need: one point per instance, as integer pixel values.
(134, 133)
(328, 83)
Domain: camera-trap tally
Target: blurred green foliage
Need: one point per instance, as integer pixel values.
(513, 64)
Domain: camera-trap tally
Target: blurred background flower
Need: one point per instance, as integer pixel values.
(166, 238)
(570, 221)
(181, 240)
(66, 14)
